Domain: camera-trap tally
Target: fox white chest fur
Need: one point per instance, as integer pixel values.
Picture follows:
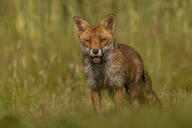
(104, 75)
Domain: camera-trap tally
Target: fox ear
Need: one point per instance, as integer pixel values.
(109, 23)
(80, 25)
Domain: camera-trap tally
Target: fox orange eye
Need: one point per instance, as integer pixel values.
(87, 40)
(102, 40)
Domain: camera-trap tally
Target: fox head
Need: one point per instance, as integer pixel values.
(96, 41)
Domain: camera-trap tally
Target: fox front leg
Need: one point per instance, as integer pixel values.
(96, 100)
(118, 98)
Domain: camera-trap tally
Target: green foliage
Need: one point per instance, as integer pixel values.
(40, 63)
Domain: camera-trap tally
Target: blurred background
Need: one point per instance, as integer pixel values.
(40, 61)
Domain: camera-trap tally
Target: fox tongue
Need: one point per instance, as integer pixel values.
(96, 59)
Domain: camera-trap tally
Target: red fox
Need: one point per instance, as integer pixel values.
(111, 65)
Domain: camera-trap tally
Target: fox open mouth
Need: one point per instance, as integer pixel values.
(96, 59)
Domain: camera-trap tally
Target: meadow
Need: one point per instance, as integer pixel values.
(41, 78)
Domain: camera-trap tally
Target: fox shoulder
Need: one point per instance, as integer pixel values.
(132, 60)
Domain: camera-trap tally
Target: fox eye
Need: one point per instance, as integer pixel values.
(87, 40)
(102, 40)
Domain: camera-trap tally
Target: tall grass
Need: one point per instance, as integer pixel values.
(40, 63)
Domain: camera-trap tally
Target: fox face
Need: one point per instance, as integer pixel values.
(96, 41)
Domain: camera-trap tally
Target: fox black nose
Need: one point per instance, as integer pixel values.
(95, 51)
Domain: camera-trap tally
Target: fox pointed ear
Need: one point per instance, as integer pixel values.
(80, 25)
(109, 23)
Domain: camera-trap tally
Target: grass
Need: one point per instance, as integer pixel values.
(41, 79)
